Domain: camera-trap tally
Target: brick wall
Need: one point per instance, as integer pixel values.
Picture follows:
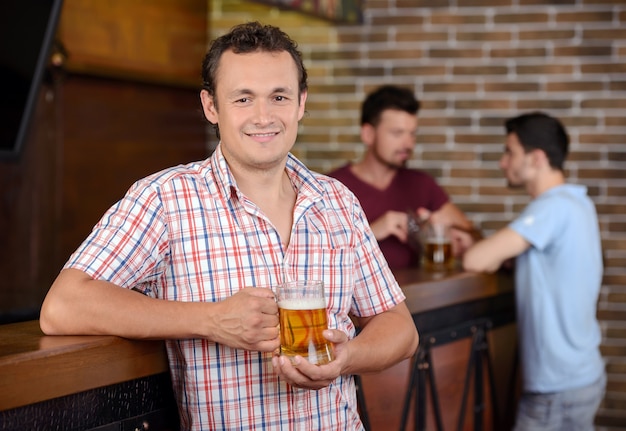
(474, 63)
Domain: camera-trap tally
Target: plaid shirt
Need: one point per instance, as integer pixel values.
(188, 234)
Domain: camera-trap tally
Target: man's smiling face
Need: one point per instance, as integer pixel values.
(258, 108)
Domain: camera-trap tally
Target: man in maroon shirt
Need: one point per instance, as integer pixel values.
(386, 188)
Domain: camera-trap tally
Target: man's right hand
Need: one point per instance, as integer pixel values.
(247, 320)
(392, 223)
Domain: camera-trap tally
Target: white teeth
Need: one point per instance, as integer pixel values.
(262, 134)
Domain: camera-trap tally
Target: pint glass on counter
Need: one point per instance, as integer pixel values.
(302, 312)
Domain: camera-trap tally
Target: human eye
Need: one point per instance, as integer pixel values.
(280, 98)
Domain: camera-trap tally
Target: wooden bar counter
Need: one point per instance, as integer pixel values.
(82, 382)
(465, 320)
(72, 375)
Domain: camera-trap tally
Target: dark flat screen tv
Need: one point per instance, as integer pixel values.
(27, 30)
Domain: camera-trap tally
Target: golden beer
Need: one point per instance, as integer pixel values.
(438, 255)
(302, 322)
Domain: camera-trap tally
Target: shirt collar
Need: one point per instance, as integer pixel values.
(306, 183)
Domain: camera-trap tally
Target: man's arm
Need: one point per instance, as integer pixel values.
(450, 215)
(78, 304)
(395, 223)
(384, 340)
(488, 254)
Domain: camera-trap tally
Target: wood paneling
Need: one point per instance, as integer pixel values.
(123, 105)
(148, 40)
(115, 133)
(29, 214)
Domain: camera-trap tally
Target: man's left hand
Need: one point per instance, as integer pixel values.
(302, 374)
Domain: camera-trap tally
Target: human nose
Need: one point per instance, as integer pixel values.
(263, 113)
(503, 162)
(409, 141)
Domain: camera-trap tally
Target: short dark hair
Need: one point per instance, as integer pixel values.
(537, 130)
(246, 38)
(388, 97)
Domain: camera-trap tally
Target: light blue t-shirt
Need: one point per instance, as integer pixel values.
(558, 280)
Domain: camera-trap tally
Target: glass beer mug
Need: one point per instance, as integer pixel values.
(436, 247)
(303, 319)
(432, 242)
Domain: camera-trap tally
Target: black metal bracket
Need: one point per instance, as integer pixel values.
(479, 358)
(422, 375)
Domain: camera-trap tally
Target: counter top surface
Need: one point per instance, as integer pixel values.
(35, 367)
(429, 291)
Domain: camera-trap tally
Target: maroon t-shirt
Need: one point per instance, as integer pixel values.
(409, 190)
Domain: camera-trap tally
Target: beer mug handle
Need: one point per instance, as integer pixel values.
(415, 226)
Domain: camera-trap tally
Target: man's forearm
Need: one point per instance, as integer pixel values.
(384, 340)
(78, 305)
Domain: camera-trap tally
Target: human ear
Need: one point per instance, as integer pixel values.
(208, 106)
(539, 157)
(301, 109)
(367, 134)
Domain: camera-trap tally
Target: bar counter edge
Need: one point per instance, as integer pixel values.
(35, 367)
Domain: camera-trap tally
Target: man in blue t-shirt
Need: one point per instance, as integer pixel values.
(558, 273)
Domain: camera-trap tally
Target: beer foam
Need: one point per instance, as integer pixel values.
(302, 304)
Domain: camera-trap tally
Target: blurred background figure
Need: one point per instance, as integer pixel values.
(558, 273)
(389, 192)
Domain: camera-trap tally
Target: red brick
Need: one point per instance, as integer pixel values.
(480, 70)
(455, 52)
(538, 51)
(575, 86)
(603, 68)
(418, 70)
(420, 36)
(545, 69)
(584, 16)
(603, 34)
(484, 104)
(583, 51)
(546, 2)
(409, 19)
(548, 105)
(427, 4)
(394, 54)
(427, 121)
(588, 138)
(429, 138)
(583, 156)
(512, 87)
(604, 103)
(483, 3)
(451, 87)
(483, 36)
(448, 155)
(447, 18)
(516, 18)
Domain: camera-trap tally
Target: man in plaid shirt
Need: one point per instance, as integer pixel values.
(206, 244)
